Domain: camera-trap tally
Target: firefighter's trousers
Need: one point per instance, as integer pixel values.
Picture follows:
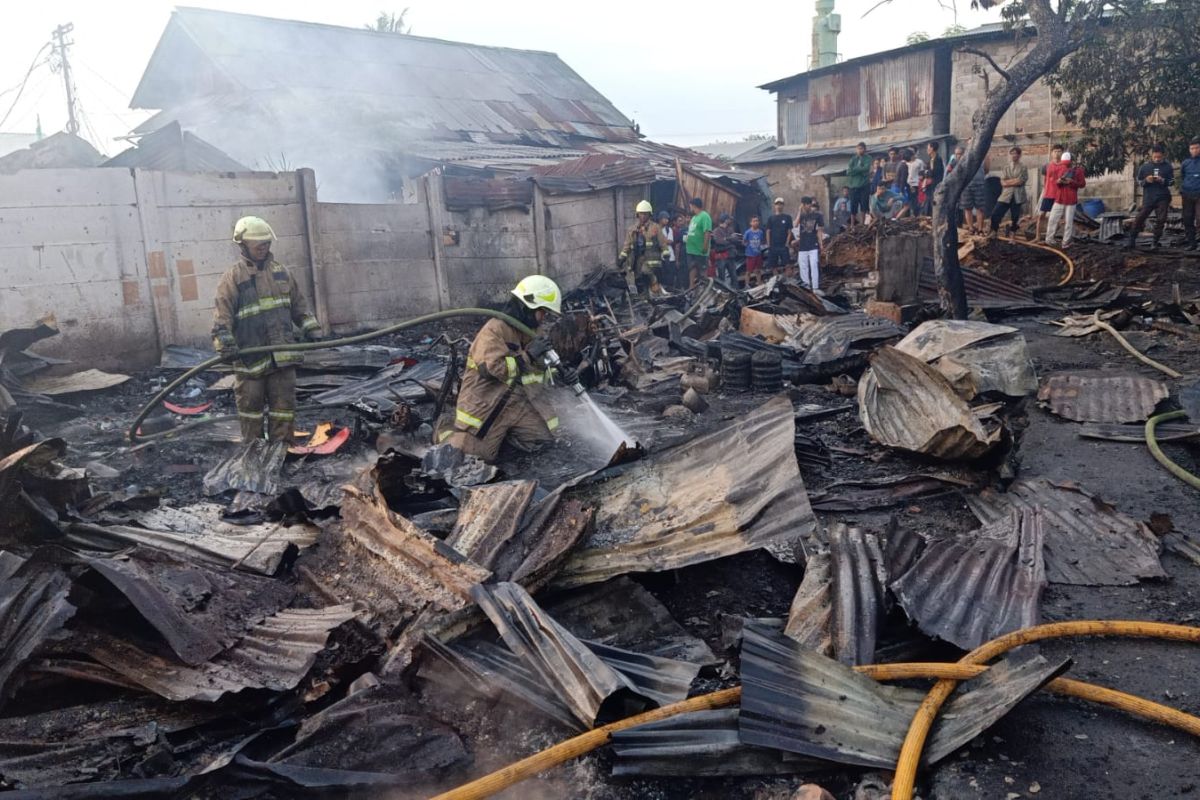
(274, 394)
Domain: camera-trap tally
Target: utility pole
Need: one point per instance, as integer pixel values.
(60, 46)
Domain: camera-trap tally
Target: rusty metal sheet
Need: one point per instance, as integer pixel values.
(895, 89)
(33, 608)
(971, 588)
(797, 700)
(833, 96)
(828, 338)
(490, 193)
(842, 599)
(717, 199)
(726, 491)
(88, 380)
(982, 290)
(1102, 397)
(488, 517)
(872, 493)
(975, 356)
(1087, 541)
(275, 654)
(700, 744)
(905, 403)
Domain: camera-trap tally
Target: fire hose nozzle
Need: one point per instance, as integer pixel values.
(552, 361)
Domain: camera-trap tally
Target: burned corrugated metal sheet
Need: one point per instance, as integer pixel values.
(896, 89)
(594, 683)
(1163, 432)
(905, 403)
(726, 491)
(841, 601)
(690, 184)
(256, 467)
(1088, 542)
(974, 356)
(894, 490)
(971, 588)
(171, 148)
(275, 654)
(982, 290)
(700, 744)
(385, 388)
(1102, 397)
(827, 338)
(620, 613)
(414, 568)
(596, 171)
(797, 700)
(833, 96)
(33, 608)
(488, 517)
(556, 526)
(199, 612)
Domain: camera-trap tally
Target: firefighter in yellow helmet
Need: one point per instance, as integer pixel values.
(645, 247)
(259, 303)
(502, 397)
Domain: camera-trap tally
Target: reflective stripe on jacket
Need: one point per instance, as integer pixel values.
(654, 247)
(256, 307)
(497, 366)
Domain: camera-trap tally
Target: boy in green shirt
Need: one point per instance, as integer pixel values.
(699, 234)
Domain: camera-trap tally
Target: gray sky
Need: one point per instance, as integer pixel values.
(686, 72)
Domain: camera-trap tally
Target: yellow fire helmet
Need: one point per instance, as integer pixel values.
(252, 229)
(538, 291)
(644, 207)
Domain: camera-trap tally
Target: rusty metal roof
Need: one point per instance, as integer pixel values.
(971, 588)
(797, 700)
(726, 491)
(1102, 396)
(983, 291)
(1088, 542)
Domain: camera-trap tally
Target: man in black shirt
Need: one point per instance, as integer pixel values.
(779, 231)
(806, 237)
(1156, 177)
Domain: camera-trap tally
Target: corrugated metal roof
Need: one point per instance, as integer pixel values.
(799, 153)
(493, 193)
(1088, 542)
(424, 84)
(983, 290)
(905, 403)
(33, 608)
(170, 148)
(797, 700)
(726, 491)
(971, 588)
(1102, 397)
(275, 655)
(488, 516)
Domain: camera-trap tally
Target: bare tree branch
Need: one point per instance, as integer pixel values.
(984, 54)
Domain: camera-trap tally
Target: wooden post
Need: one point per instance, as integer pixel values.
(435, 204)
(619, 218)
(898, 262)
(159, 277)
(541, 241)
(318, 286)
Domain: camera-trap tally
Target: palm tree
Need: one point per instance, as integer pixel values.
(390, 23)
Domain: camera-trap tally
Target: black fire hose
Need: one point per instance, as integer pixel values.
(306, 346)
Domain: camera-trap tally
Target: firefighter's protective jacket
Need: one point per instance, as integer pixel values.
(646, 245)
(256, 307)
(499, 372)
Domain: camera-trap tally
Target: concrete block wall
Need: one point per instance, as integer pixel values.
(583, 233)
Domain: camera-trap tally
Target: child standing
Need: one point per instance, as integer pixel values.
(754, 238)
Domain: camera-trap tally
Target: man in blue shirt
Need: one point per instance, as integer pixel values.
(1189, 188)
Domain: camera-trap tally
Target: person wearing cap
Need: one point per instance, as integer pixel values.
(1156, 177)
(644, 250)
(779, 236)
(1063, 182)
(699, 236)
(258, 304)
(502, 398)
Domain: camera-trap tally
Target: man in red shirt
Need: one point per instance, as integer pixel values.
(1063, 182)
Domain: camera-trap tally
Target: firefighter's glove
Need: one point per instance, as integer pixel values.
(568, 375)
(538, 348)
(621, 259)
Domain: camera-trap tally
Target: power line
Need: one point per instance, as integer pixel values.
(61, 45)
(21, 89)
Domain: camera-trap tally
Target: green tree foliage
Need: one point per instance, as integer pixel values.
(916, 37)
(1135, 84)
(390, 23)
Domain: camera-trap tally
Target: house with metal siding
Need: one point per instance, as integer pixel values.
(907, 97)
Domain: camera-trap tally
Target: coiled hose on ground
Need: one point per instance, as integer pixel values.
(948, 676)
(134, 436)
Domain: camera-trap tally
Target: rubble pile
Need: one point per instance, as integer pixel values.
(365, 613)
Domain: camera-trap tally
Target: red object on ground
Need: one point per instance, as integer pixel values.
(187, 411)
(328, 447)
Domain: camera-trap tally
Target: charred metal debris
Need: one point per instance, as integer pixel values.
(193, 616)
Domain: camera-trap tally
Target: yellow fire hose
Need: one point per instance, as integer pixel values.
(914, 741)
(1160, 456)
(946, 673)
